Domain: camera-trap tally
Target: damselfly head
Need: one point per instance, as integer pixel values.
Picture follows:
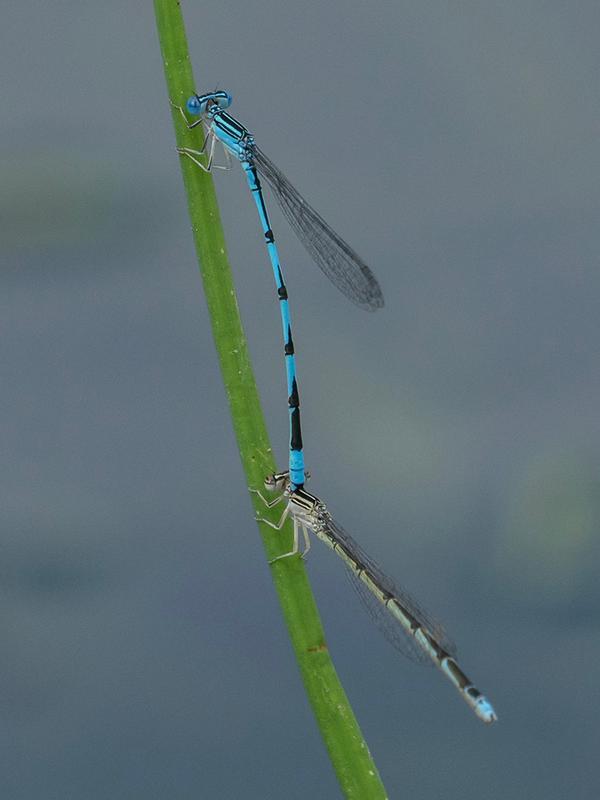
(280, 481)
(277, 482)
(202, 103)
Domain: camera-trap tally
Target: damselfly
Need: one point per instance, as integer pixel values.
(402, 620)
(337, 260)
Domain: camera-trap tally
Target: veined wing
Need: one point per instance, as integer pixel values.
(381, 616)
(336, 259)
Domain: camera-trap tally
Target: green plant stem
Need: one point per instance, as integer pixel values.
(356, 772)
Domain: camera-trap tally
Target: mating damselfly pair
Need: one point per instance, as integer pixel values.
(412, 630)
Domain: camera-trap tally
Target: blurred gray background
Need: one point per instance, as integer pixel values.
(456, 433)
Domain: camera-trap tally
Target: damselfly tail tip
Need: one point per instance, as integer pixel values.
(485, 710)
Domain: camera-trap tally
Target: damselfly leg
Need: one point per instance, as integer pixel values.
(194, 154)
(277, 526)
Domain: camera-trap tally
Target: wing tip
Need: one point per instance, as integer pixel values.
(373, 303)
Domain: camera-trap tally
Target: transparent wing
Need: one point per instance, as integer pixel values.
(336, 259)
(388, 625)
(385, 621)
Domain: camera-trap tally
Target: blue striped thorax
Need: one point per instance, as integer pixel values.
(234, 136)
(237, 139)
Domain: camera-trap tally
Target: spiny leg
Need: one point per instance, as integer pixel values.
(267, 503)
(189, 124)
(209, 134)
(212, 152)
(295, 547)
(307, 540)
(202, 151)
(191, 154)
(211, 163)
(280, 524)
(227, 164)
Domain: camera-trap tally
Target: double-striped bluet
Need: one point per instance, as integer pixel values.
(404, 623)
(407, 626)
(330, 252)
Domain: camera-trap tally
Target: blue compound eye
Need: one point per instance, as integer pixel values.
(223, 99)
(193, 105)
